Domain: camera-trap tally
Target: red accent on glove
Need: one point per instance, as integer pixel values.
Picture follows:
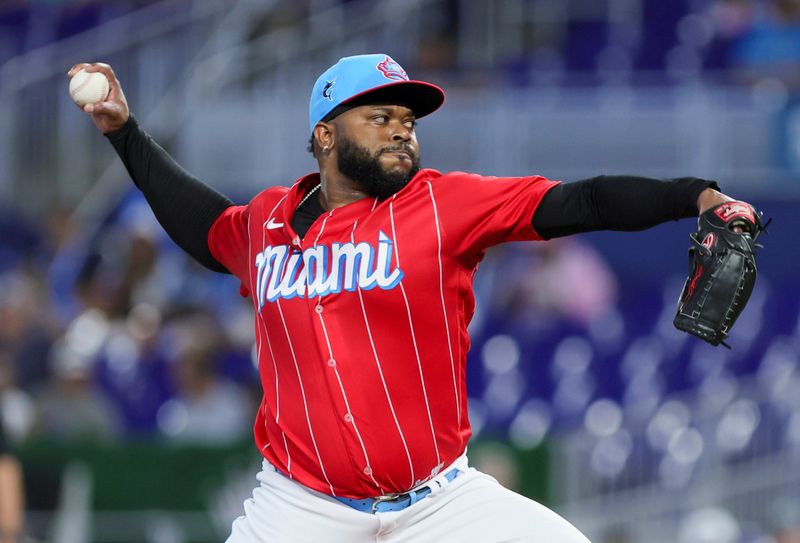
(693, 284)
(732, 210)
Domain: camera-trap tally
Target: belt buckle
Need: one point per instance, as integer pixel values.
(380, 499)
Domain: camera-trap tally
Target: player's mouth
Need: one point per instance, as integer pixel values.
(401, 155)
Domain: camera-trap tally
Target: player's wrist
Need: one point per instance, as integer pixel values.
(710, 198)
(120, 132)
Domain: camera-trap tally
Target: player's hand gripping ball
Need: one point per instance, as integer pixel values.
(88, 88)
(722, 271)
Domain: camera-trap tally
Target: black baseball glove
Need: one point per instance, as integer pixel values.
(722, 271)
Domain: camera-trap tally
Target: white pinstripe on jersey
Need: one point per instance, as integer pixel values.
(266, 333)
(303, 394)
(321, 228)
(380, 371)
(277, 393)
(413, 335)
(441, 292)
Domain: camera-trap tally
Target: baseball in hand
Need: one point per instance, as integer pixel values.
(88, 88)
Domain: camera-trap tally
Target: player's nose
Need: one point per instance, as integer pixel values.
(401, 134)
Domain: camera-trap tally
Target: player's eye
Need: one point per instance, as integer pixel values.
(411, 124)
(381, 119)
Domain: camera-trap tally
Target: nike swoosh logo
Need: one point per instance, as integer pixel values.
(272, 225)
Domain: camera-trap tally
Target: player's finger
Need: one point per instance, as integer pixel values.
(103, 68)
(102, 108)
(76, 68)
(114, 90)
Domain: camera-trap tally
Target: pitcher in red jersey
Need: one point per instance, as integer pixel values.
(360, 276)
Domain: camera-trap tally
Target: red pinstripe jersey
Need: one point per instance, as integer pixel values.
(361, 326)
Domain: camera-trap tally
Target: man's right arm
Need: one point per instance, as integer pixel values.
(185, 207)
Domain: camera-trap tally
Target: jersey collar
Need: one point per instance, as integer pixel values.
(350, 212)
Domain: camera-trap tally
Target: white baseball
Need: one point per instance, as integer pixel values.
(88, 88)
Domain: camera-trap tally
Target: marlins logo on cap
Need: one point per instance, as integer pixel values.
(326, 90)
(392, 70)
(360, 79)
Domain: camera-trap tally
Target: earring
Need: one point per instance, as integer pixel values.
(325, 149)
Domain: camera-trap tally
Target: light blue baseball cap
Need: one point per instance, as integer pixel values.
(366, 79)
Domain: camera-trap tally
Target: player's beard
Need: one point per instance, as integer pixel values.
(365, 169)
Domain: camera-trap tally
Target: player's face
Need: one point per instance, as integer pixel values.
(377, 147)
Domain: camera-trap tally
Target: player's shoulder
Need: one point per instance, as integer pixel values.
(270, 194)
(267, 199)
(442, 184)
(455, 177)
(435, 177)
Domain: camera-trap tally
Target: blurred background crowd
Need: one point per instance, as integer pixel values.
(127, 371)
(680, 36)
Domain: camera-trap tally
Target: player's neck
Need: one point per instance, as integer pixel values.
(338, 191)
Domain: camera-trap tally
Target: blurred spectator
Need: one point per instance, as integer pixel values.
(124, 288)
(133, 371)
(731, 18)
(207, 408)
(134, 289)
(26, 330)
(770, 47)
(563, 278)
(17, 410)
(71, 407)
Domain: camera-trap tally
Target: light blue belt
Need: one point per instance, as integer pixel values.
(382, 504)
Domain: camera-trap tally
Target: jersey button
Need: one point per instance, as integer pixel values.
(296, 241)
(318, 308)
(348, 417)
(368, 470)
(332, 362)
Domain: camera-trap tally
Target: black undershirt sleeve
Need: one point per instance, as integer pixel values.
(184, 206)
(619, 202)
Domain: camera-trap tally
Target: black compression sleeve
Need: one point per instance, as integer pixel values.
(616, 203)
(184, 206)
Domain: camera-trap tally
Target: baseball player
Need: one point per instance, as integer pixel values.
(360, 276)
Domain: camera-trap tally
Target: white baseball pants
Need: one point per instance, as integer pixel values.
(474, 507)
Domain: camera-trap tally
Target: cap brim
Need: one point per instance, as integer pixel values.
(421, 97)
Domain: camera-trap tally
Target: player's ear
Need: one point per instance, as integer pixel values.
(323, 134)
